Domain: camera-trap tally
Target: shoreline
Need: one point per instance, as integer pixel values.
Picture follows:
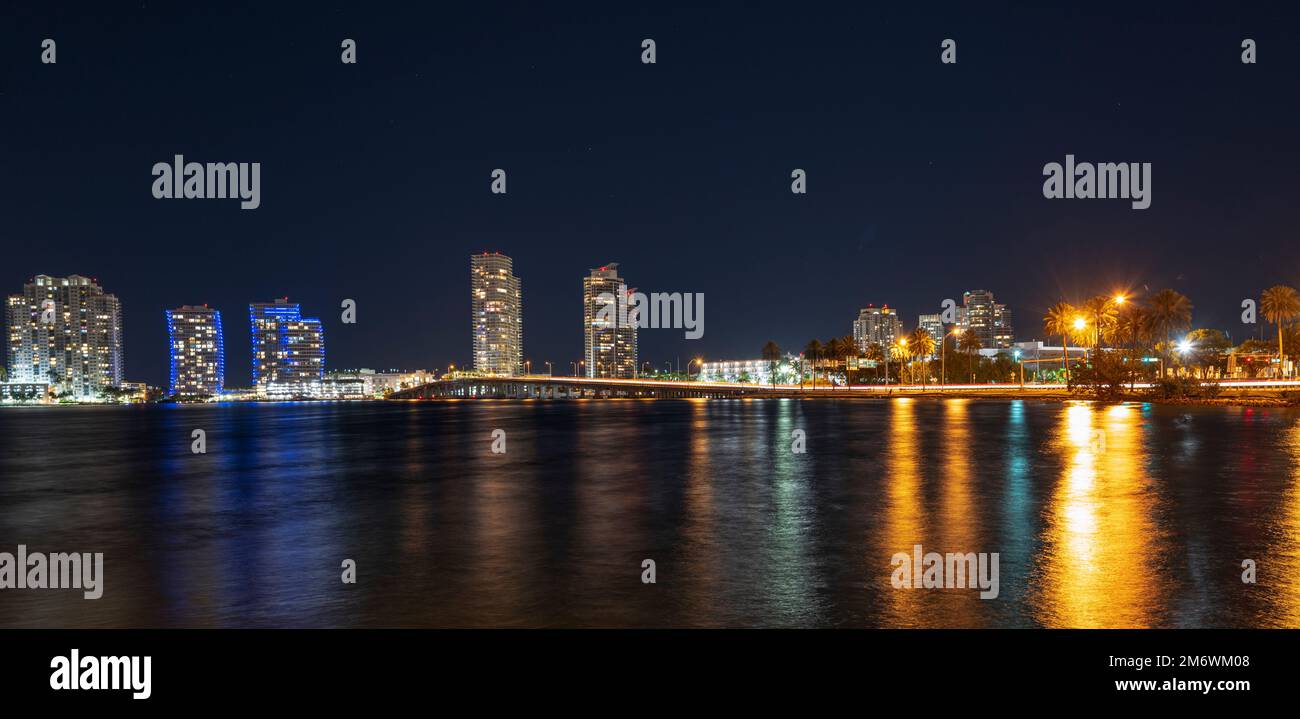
(1256, 398)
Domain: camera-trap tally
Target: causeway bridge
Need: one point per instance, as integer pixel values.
(548, 387)
(551, 387)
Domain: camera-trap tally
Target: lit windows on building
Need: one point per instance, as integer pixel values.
(496, 309)
(197, 348)
(288, 351)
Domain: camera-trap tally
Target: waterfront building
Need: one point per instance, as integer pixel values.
(876, 325)
(198, 353)
(65, 332)
(757, 371)
(989, 320)
(610, 348)
(288, 350)
(496, 308)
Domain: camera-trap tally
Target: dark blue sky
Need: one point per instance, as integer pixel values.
(924, 179)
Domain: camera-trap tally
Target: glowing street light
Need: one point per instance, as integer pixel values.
(943, 357)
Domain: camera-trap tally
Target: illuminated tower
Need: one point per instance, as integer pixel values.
(198, 353)
(288, 350)
(67, 332)
(496, 315)
(610, 337)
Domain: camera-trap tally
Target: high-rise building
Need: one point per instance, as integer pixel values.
(1004, 334)
(610, 334)
(65, 331)
(989, 321)
(932, 324)
(198, 353)
(876, 325)
(288, 350)
(497, 305)
(979, 316)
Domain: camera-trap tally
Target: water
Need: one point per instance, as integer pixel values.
(1102, 516)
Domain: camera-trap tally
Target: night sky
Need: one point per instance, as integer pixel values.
(924, 179)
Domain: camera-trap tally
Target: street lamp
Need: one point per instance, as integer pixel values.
(902, 344)
(550, 372)
(943, 356)
(698, 361)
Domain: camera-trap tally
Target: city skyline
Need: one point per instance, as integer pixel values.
(924, 186)
(881, 326)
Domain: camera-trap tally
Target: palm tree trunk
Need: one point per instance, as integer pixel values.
(1281, 354)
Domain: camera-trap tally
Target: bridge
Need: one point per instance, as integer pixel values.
(550, 387)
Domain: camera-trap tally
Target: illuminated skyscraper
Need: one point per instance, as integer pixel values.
(67, 332)
(609, 334)
(934, 325)
(876, 325)
(288, 350)
(198, 353)
(1004, 334)
(989, 321)
(496, 308)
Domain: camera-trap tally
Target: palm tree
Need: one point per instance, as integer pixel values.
(922, 345)
(848, 350)
(900, 352)
(1131, 325)
(1060, 321)
(970, 344)
(1169, 311)
(812, 350)
(1102, 314)
(772, 353)
(874, 354)
(1281, 305)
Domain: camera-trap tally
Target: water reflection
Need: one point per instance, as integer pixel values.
(903, 517)
(1103, 553)
(1104, 516)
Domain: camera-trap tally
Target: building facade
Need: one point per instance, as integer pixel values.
(65, 332)
(198, 351)
(288, 350)
(932, 324)
(609, 334)
(1004, 334)
(988, 320)
(876, 325)
(496, 307)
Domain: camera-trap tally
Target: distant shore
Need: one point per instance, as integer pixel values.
(1227, 398)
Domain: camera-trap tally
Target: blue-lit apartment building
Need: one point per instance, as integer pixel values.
(288, 351)
(198, 352)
